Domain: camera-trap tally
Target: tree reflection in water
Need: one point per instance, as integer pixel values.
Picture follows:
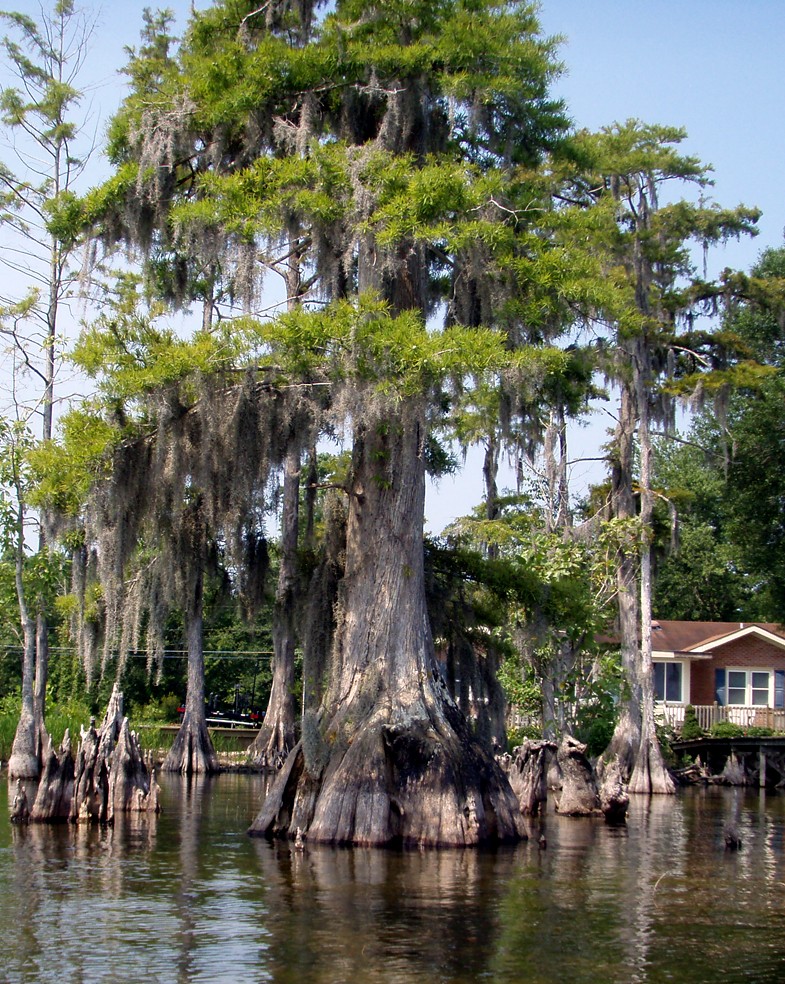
(190, 897)
(48, 860)
(375, 915)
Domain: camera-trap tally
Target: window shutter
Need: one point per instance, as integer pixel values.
(719, 686)
(779, 688)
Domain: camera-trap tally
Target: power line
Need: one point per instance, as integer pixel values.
(171, 653)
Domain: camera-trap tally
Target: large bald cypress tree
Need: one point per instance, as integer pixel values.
(385, 155)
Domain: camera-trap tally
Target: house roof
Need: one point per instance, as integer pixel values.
(699, 638)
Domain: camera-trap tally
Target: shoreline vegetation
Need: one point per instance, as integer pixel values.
(156, 737)
(233, 747)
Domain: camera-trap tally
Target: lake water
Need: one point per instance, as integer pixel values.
(190, 897)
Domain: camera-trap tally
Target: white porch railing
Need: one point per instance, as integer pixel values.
(710, 714)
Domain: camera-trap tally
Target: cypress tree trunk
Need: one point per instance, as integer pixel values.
(25, 760)
(634, 754)
(31, 740)
(649, 774)
(276, 737)
(192, 752)
(490, 471)
(622, 750)
(390, 758)
(41, 679)
(558, 514)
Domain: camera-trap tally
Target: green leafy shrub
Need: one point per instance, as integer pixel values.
(597, 736)
(517, 736)
(161, 711)
(726, 729)
(666, 735)
(595, 723)
(690, 728)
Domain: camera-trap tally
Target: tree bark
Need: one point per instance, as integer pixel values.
(107, 777)
(192, 751)
(277, 736)
(390, 758)
(25, 760)
(490, 471)
(20, 807)
(41, 679)
(578, 796)
(618, 759)
(529, 774)
(649, 774)
(131, 788)
(614, 800)
(56, 789)
(634, 750)
(557, 516)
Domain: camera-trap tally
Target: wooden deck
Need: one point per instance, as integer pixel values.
(711, 714)
(763, 758)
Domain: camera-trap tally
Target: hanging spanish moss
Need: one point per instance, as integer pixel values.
(351, 160)
(185, 498)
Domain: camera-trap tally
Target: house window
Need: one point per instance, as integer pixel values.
(759, 688)
(667, 682)
(749, 688)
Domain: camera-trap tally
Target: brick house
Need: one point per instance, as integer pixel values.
(735, 665)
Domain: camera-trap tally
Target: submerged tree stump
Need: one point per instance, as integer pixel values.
(131, 788)
(56, 789)
(578, 796)
(20, 808)
(528, 774)
(90, 779)
(614, 800)
(414, 783)
(734, 773)
(93, 760)
(107, 777)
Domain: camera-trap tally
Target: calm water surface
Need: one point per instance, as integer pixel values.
(190, 897)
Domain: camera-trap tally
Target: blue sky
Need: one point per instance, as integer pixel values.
(713, 67)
